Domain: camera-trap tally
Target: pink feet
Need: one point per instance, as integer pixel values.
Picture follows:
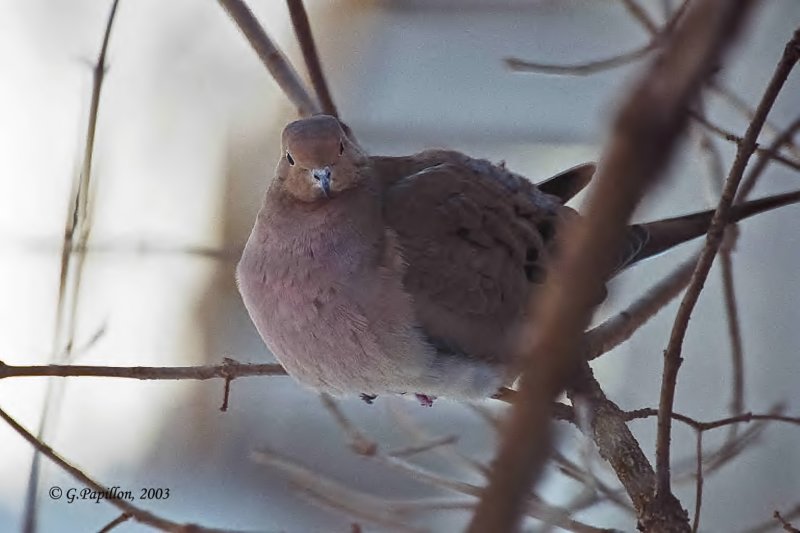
(425, 400)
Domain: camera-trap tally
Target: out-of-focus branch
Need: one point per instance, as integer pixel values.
(672, 355)
(124, 517)
(698, 493)
(305, 37)
(785, 525)
(658, 38)
(77, 230)
(581, 69)
(716, 178)
(645, 135)
(361, 444)
(769, 153)
(619, 328)
(769, 525)
(271, 56)
(764, 157)
(737, 103)
(138, 514)
(638, 13)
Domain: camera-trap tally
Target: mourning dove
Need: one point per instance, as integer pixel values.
(411, 274)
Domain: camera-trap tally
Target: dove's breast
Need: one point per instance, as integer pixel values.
(336, 315)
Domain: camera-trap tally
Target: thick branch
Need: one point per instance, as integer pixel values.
(646, 133)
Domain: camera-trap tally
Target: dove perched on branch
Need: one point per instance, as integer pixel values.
(375, 275)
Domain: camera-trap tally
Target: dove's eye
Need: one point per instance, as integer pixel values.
(289, 158)
(341, 147)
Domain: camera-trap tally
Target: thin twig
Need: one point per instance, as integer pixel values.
(715, 424)
(769, 525)
(739, 104)
(734, 328)
(305, 37)
(698, 493)
(366, 447)
(333, 495)
(764, 158)
(359, 443)
(432, 444)
(638, 13)
(450, 452)
(672, 355)
(734, 100)
(77, 231)
(581, 69)
(124, 517)
(785, 525)
(271, 56)
(658, 38)
(716, 177)
(732, 137)
(592, 482)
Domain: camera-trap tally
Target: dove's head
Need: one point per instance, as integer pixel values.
(318, 159)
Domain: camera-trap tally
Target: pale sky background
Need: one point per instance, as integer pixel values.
(187, 140)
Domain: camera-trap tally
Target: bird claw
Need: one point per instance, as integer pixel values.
(368, 398)
(425, 400)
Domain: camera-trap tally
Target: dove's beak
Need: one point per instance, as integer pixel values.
(323, 176)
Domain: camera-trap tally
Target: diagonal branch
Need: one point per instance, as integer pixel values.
(305, 38)
(271, 56)
(138, 514)
(619, 328)
(646, 133)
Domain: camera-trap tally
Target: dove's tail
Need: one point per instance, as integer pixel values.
(652, 238)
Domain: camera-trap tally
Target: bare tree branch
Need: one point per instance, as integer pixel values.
(764, 158)
(124, 517)
(645, 134)
(271, 56)
(698, 494)
(305, 37)
(138, 514)
(785, 525)
(228, 370)
(737, 103)
(582, 69)
(765, 152)
(77, 231)
(619, 328)
(672, 355)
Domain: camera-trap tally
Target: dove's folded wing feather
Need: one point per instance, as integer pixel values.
(476, 240)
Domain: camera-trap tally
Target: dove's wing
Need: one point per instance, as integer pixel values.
(568, 183)
(476, 240)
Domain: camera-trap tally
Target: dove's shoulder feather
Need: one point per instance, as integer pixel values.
(476, 239)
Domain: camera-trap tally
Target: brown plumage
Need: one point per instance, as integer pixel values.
(411, 274)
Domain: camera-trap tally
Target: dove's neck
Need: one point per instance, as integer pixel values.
(339, 236)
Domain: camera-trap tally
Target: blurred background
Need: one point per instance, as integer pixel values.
(187, 139)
